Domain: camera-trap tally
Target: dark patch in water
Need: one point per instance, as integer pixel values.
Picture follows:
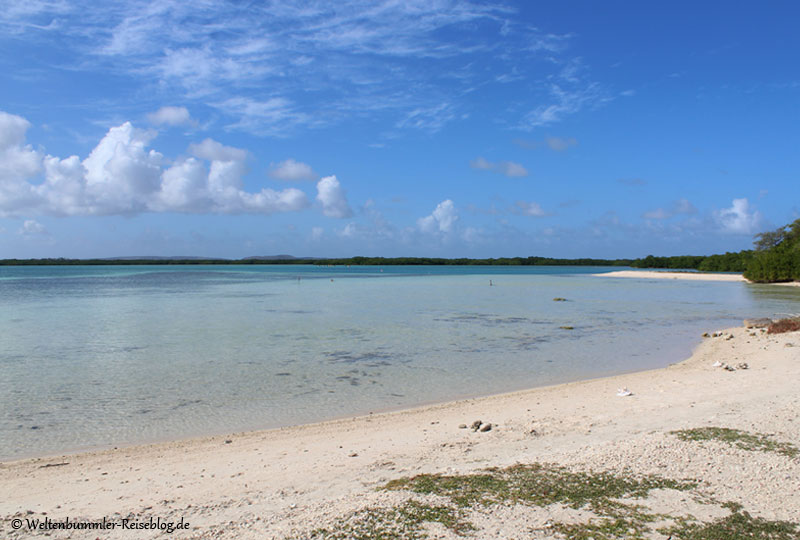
(351, 357)
(486, 320)
(283, 374)
(186, 403)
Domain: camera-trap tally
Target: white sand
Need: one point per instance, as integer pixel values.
(266, 484)
(694, 276)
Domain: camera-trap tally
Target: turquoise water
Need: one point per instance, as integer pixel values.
(104, 356)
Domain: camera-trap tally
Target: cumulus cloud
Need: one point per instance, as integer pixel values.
(506, 168)
(333, 199)
(441, 220)
(122, 175)
(31, 227)
(171, 116)
(291, 170)
(740, 218)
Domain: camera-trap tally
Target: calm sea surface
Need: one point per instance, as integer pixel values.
(104, 356)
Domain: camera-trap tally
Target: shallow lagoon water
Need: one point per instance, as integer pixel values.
(105, 356)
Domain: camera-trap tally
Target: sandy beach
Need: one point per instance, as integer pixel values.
(691, 276)
(288, 482)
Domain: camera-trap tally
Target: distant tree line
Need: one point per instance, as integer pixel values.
(776, 258)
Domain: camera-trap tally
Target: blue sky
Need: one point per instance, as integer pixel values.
(431, 128)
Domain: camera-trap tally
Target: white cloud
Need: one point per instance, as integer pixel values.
(740, 218)
(442, 219)
(317, 233)
(506, 168)
(32, 227)
(214, 151)
(171, 116)
(333, 199)
(18, 162)
(564, 103)
(122, 175)
(292, 170)
(430, 119)
(532, 209)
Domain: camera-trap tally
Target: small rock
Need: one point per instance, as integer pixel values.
(476, 425)
(706, 334)
(730, 337)
(486, 427)
(789, 345)
(462, 426)
(726, 367)
(742, 365)
(352, 454)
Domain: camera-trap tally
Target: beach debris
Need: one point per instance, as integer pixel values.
(757, 323)
(486, 427)
(624, 392)
(476, 425)
(47, 465)
(792, 324)
(728, 367)
(742, 365)
(559, 299)
(717, 364)
(567, 327)
(462, 426)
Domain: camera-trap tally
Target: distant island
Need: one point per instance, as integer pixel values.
(776, 258)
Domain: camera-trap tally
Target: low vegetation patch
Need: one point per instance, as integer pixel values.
(607, 497)
(536, 484)
(405, 521)
(784, 325)
(739, 525)
(753, 442)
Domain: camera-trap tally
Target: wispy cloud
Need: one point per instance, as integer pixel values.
(679, 207)
(274, 68)
(506, 168)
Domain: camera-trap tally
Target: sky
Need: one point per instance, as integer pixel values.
(430, 128)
